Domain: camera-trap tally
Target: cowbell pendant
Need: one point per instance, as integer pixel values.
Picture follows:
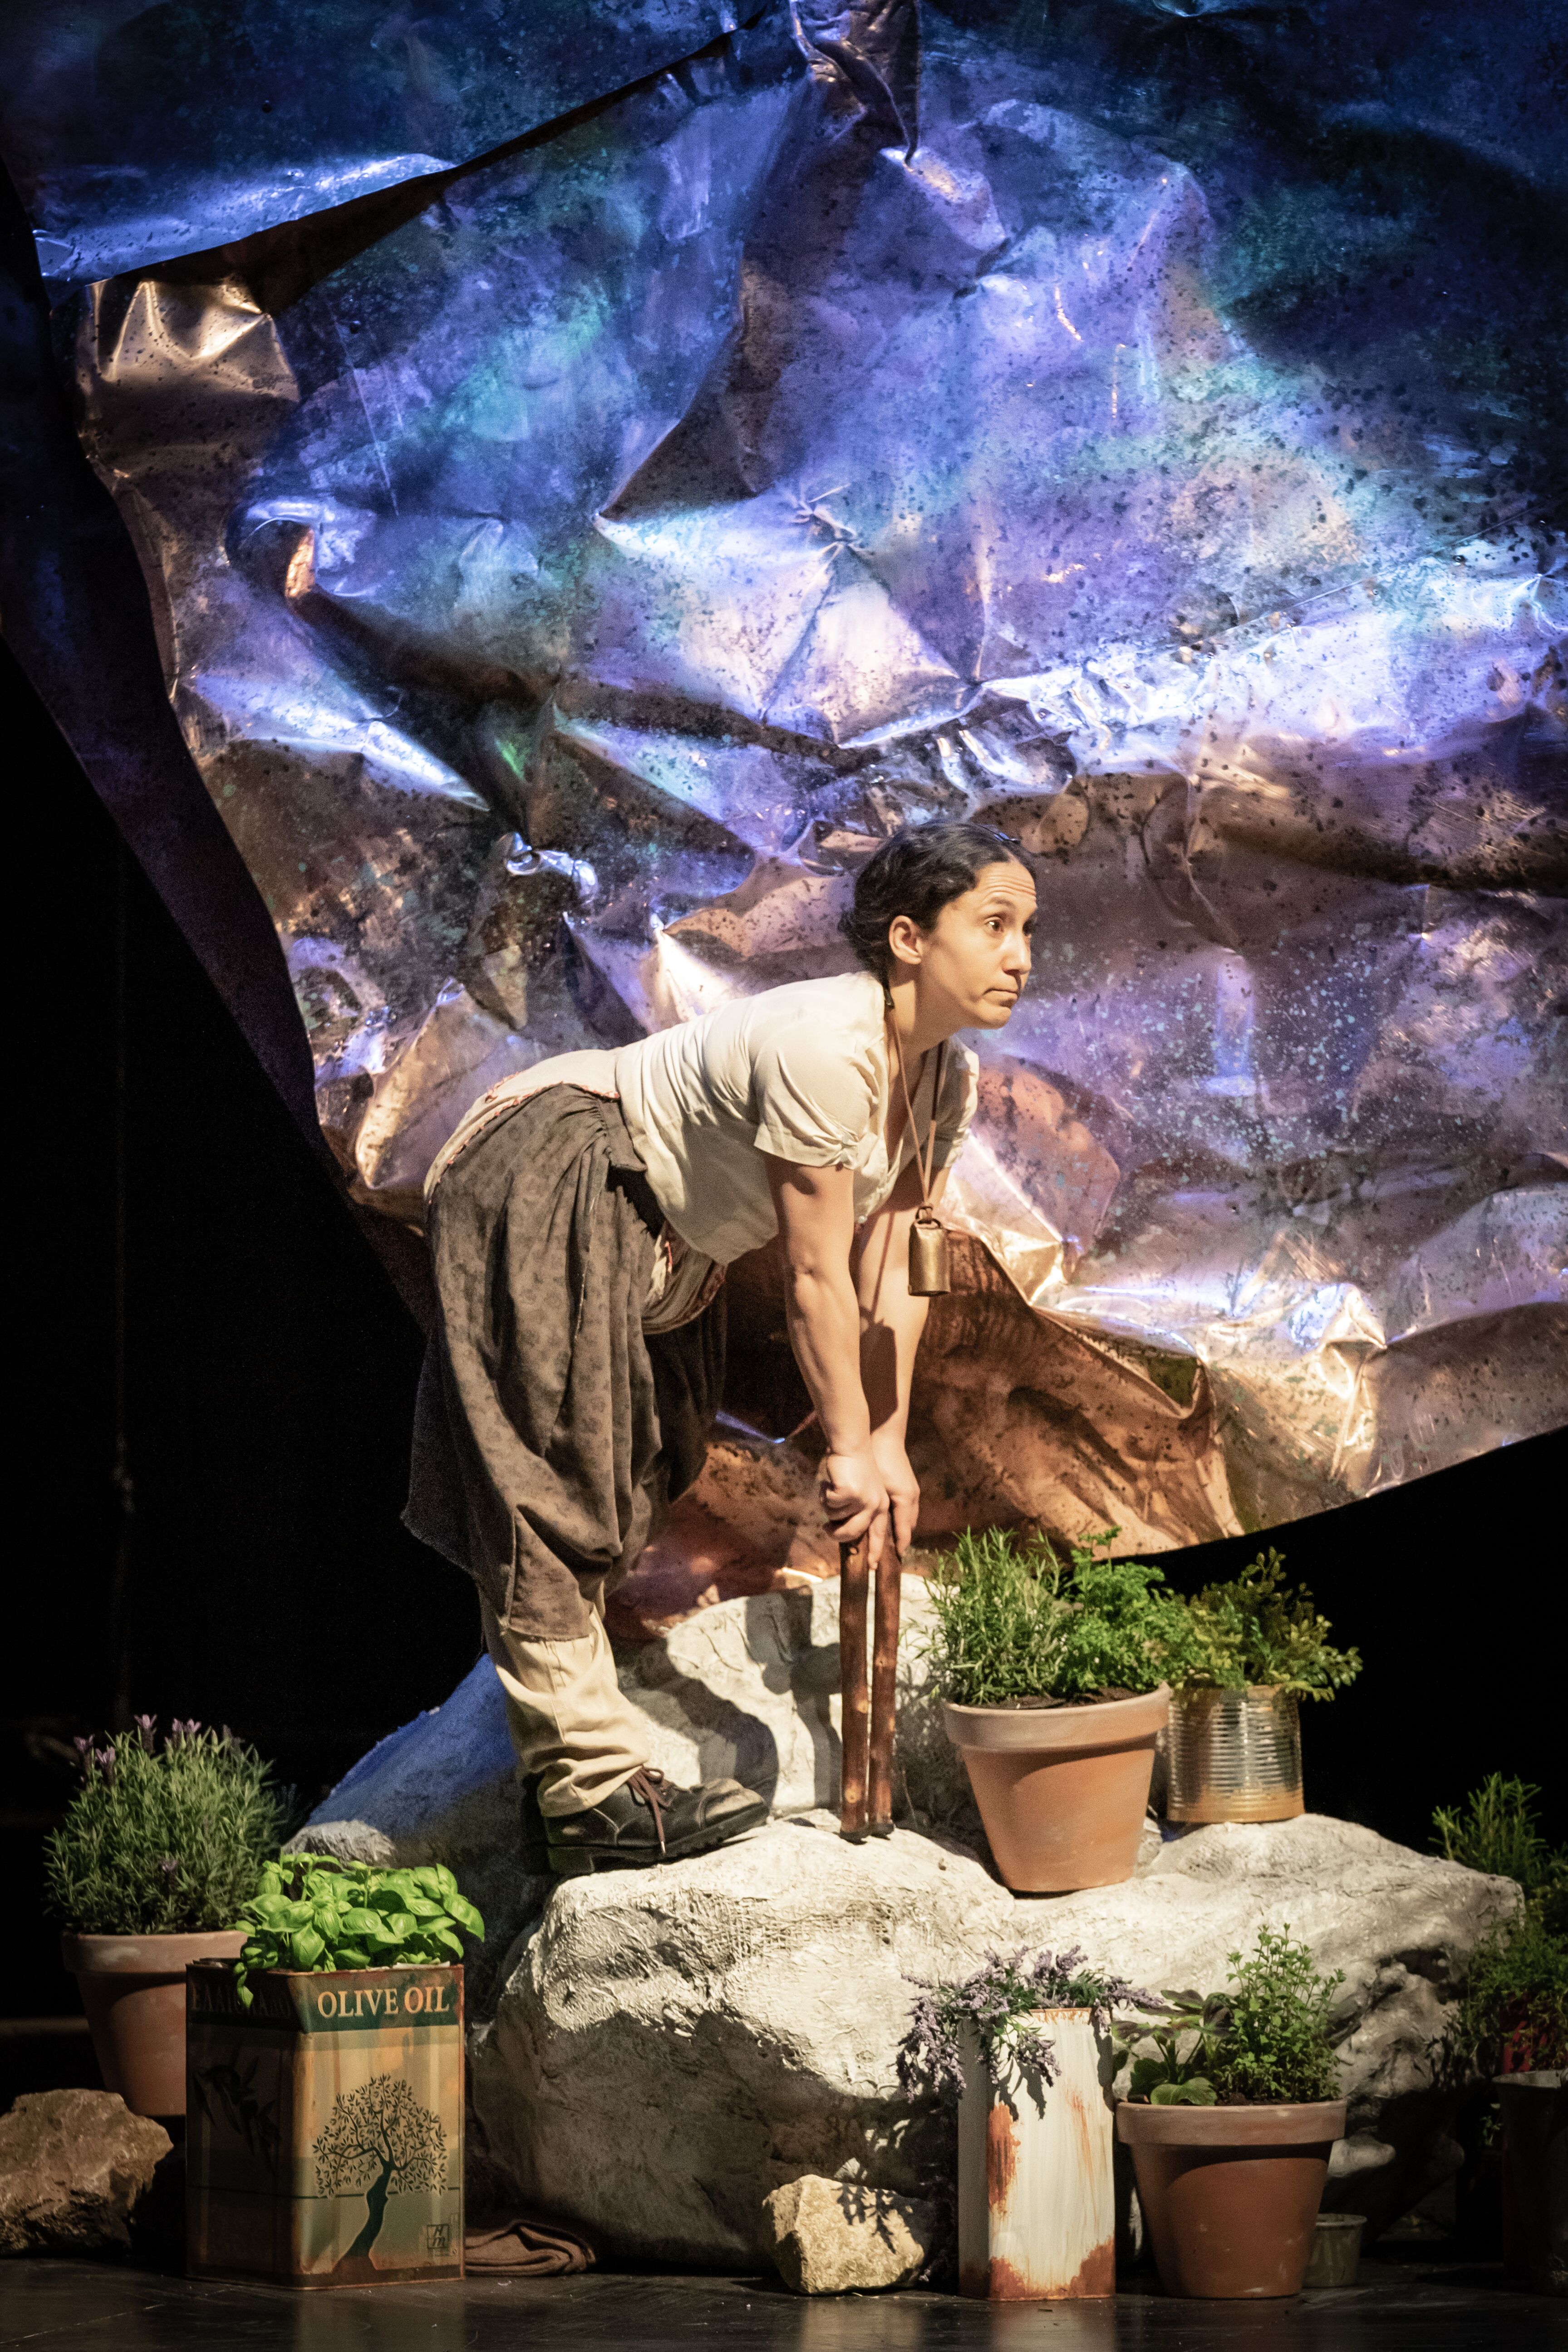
(929, 1276)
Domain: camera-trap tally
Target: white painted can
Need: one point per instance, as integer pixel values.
(1037, 2202)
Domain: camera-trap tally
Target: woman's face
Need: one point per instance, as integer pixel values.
(970, 968)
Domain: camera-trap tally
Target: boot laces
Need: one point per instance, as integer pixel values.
(649, 1785)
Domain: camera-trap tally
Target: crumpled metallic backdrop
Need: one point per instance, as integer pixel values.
(1138, 425)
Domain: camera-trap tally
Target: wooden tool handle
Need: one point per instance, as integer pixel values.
(853, 1578)
(884, 1691)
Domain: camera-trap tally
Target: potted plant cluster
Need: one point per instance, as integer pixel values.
(325, 2139)
(1231, 2113)
(148, 1871)
(1510, 2034)
(1250, 1649)
(1053, 1690)
(1026, 2048)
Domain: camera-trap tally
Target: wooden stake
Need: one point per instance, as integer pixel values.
(855, 1738)
(884, 1689)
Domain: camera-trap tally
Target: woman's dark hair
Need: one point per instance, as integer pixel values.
(918, 872)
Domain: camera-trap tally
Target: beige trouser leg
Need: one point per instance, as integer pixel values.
(569, 1723)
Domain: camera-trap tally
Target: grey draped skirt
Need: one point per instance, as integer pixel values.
(550, 1433)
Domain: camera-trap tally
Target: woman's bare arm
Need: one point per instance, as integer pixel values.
(816, 1210)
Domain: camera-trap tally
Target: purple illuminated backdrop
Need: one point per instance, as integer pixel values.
(1139, 426)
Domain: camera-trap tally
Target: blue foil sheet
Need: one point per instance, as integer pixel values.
(1130, 426)
(136, 134)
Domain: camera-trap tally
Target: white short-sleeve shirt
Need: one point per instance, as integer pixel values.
(800, 1072)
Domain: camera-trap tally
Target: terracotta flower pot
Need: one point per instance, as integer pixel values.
(1230, 2195)
(1062, 1791)
(133, 1990)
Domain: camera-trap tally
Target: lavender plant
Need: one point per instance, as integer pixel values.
(167, 1836)
(994, 2006)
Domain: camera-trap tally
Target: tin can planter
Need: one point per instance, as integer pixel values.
(1036, 2199)
(1234, 1755)
(133, 1990)
(1230, 2195)
(1535, 2124)
(1062, 1791)
(324, 2145)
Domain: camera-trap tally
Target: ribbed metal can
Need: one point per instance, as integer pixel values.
(1234, 1755)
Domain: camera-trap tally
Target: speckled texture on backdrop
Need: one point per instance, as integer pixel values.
(1140, 425)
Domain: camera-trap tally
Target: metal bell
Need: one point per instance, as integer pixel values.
(929, 1276)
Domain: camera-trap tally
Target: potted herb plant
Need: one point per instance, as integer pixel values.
(1251, 1651)
(1050, 1679)
(1231, 2115)
(1510, 2034)
(1026, 2048)
(1514, 2012)
(148, 1870)
(325, 2141)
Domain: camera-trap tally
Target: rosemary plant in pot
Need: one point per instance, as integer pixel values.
(1509, 2034)
(1050, 1678)
(148, 1870)
(1231, 2114)
(1251, 1650)
(1025, 2047)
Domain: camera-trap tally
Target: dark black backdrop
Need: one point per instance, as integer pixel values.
(269, 1374)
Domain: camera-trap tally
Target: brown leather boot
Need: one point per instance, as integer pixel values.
(532, 1837)
(647, 1819)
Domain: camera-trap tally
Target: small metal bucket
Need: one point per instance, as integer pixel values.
(1234, 1755)
(1336, 2250)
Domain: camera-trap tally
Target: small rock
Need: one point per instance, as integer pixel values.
(1362, 2152)
(74, 2166)
(834, 2237)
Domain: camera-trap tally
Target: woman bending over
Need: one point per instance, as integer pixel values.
(581, 1221)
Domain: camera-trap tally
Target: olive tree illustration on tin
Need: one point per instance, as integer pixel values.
(381, 2140)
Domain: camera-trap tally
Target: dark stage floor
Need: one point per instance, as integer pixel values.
(1401, 2306)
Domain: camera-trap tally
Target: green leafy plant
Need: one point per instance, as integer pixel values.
(1496, 1829)
(165, 1835)
(1014, 1623)
(1255, 1630)
(315, 1914)
(992, 2006)
(1267, 2041)
(1514, 2012)
(1177, 2067)
(1278, 2044)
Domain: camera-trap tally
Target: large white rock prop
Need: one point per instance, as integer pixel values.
(748, 1688)
(657, 2052)
(1401, 1926)
(730, 2024)
(672, 2045)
